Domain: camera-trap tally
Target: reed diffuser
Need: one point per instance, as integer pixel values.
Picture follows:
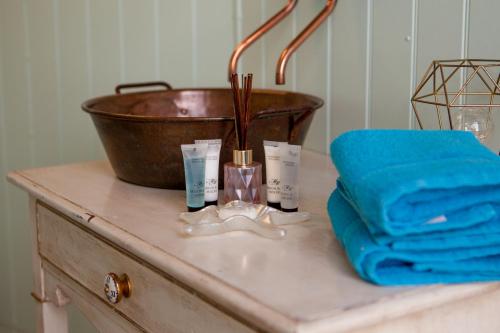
(242, 176)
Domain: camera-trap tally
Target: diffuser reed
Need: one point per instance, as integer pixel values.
(241, 108)
(242, 176)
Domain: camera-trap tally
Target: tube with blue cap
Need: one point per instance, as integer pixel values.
(194, 170)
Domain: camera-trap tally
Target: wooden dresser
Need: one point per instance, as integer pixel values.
(86, 224)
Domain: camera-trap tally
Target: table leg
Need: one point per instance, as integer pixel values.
(51, 314)
(51, 318)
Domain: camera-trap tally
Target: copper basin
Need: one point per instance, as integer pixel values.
(142, 131)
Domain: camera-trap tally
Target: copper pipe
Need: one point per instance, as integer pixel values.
(301, 38)
(244, 44)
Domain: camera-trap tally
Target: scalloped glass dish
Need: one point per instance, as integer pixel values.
(240, 216)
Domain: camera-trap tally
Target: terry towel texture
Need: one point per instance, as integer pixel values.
(417, 207)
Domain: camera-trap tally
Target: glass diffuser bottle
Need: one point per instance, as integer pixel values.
(242, 176)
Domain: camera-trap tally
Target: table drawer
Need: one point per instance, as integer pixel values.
(157, 302)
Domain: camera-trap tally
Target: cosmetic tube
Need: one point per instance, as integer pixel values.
(289, 173)
(273, 165)
(194, 171)
(212, 171)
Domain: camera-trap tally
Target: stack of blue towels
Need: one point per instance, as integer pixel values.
(417, 207)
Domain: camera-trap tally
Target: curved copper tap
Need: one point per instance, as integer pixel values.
(295, 44)
(278, 17)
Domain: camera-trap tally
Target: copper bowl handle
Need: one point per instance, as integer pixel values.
(119, 87)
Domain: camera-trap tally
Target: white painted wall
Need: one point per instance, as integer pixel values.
(54, 54)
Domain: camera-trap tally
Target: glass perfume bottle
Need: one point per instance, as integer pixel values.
(243, 178)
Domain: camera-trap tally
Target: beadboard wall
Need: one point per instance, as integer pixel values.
(54, 54)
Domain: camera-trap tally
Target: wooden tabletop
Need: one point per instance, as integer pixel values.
(302, 283)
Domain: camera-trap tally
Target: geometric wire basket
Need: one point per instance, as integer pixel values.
(461, 84)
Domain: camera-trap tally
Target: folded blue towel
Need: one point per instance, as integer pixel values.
(404, 182)
(418, 262)
(482, 234)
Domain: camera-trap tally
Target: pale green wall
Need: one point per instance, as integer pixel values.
(54, 54)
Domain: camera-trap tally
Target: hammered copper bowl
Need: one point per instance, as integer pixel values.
(142, 131)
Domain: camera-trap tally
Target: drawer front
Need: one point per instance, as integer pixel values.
(101, 314)
(156, 303)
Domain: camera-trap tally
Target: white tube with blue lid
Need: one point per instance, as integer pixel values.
(211, 170)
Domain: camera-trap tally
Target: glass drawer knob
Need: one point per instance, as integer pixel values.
(116, 287)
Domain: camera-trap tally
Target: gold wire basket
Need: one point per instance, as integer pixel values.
(456, 88)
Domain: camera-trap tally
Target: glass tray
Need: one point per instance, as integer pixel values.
(240, 216)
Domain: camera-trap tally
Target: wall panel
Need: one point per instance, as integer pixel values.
(483, 27)
(213, 24)
(43, 82)
(250, 16)
(18, 153)
(39, 119)
(104, 46)
(483, 43)
(347, 56)
(17, 113)
(19, 235)
(102, 56)
(176, 54)
(5, 302)
(439, 36)
(311, 73)
(138, 35)
(77, 131)
(275, 41)
(390, 85)
(439, 32)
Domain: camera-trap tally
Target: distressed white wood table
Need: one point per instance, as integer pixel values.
(87, 223)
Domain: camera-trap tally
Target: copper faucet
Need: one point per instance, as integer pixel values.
(277, 18)
(292, 47)
(295, 44)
